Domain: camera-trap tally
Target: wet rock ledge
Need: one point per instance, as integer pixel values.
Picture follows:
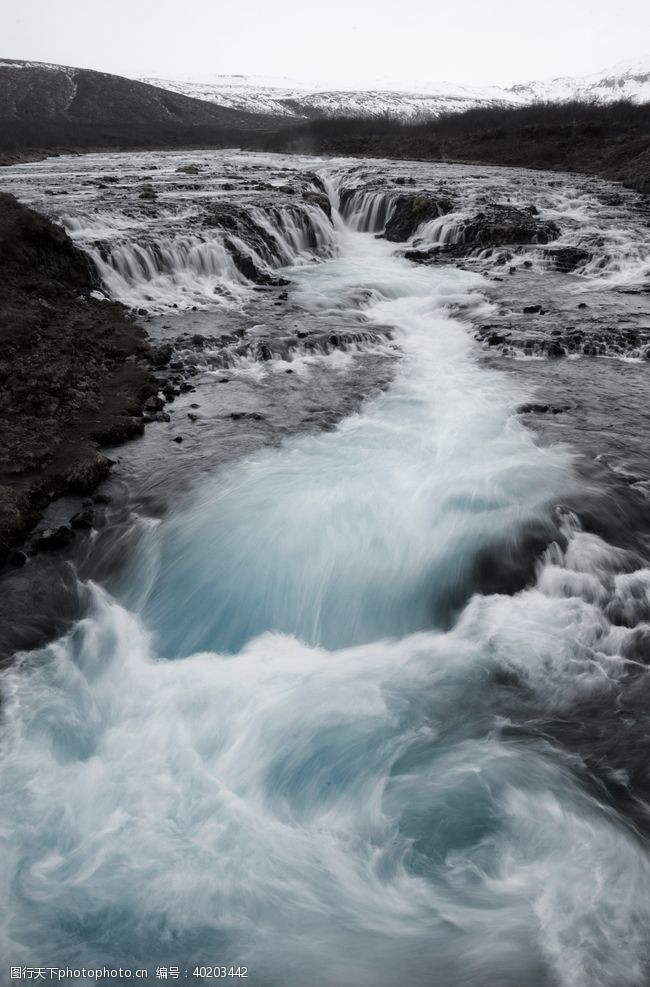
(75, 372)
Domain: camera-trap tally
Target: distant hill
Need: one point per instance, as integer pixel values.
(626, 80)
(46, 106)
(290, 99)
(409, 100)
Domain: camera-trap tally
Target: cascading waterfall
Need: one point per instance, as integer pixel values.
(444, 231)
(198, 270)
(367, 211)
(301, 232)
(289, 740)
(185, 268)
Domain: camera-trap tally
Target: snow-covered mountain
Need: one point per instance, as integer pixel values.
(295, 99)
(626, 80)
(285, 97)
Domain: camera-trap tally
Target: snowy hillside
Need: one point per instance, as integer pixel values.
(626, 80)
(290, 98)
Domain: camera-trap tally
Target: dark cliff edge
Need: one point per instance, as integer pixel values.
(611, 141)
(74, 372)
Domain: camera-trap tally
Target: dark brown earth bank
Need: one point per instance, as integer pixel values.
(74, 374)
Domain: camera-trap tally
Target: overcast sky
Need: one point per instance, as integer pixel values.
(470, 41)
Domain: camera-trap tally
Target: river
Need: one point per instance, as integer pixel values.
(357, 692)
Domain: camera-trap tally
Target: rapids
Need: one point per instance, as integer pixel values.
(359, 710)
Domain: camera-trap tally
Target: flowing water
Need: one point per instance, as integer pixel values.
(369, 705)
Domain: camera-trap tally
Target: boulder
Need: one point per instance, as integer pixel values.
(498, 225)
(53, 538)
(410, 210)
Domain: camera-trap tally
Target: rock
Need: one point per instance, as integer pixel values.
(496, 226)
(251, 271)
(542, 409)
(84, 519)
(316, 180)
(566, 259)
(86, 475)
(320, 200)
(502, 224)
(410, 211)
(188, 169)
(161, 355)
(153, 404)
(263, 351)
(53, 538)
(178, 438)
(17, 559)
(148, 193)
(533, 310)
(121, 429)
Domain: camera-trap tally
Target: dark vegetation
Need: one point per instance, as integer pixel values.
(611, 140)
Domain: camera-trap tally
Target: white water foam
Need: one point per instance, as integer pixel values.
(320, 789)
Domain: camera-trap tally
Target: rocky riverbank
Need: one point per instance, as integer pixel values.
(75, 372)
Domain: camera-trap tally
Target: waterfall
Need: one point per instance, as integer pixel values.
(198, 270)
(366, 211)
